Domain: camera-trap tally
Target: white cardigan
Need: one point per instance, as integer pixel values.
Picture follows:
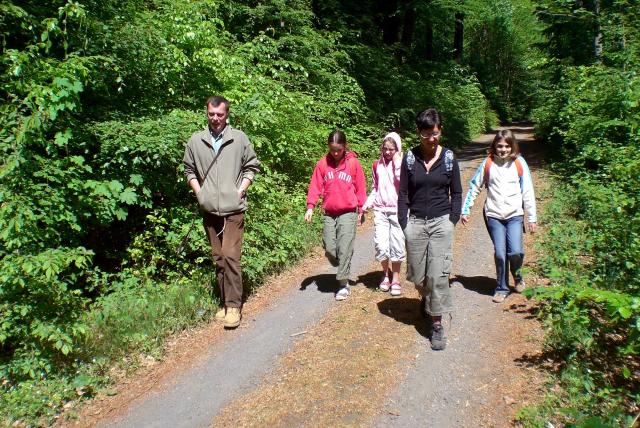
(507, 194)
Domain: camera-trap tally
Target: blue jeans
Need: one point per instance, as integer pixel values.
(509, 254)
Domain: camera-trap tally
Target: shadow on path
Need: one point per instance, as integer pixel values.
(479, 284)
(521, 308)
(371, 280)
(473, 152)
(406, 311)
(325, 282)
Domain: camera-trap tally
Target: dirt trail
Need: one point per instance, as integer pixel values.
(302, 359)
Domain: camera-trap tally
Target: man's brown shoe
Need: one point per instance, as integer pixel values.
(232, 319)
(222, 312)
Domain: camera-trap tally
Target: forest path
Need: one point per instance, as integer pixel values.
(302, 359)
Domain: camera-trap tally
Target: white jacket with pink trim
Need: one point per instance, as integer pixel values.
(386, 182)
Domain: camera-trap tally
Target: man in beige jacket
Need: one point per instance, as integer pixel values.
(220, 164)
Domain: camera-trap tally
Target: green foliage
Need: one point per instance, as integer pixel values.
(502, 39)
(592, 311)
(41, 304)
(133, 316)
(572, 28)
(36, 402)
(400, 92)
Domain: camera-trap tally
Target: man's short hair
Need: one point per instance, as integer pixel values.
(428, 119)
(216, 100)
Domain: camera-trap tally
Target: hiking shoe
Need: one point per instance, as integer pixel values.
(438, 339)
(396, 289)
(221, 314)
(520, 286)
(385, 284)
(232, 318)
(499, 297)
(342, 293)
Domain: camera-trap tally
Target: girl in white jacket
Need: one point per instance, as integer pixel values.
(507, 178)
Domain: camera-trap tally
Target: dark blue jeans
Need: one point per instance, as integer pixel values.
(509, 254)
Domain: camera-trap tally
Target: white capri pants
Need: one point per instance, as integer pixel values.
(388, 237)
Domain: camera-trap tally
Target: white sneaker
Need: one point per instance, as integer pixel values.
(342, 293)
(396, 289)
(385, 284)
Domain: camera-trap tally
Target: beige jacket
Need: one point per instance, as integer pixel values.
(237, 160)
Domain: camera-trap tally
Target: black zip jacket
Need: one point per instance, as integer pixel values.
(430, 194)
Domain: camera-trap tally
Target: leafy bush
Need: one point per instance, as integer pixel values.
(593, 244)
(400, 92)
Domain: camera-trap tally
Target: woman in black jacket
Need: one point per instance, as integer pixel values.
(429, 206)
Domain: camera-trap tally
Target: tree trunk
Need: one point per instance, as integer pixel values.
(597, 39)
(408, 27)
(390, 22)
(458, 36)
(428, 37)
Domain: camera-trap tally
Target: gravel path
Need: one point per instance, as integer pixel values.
(196, 396)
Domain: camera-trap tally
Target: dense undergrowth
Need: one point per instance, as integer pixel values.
(98, 101)
(590, 116)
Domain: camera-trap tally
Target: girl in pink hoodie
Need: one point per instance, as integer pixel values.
(339, 178)
(388, 236)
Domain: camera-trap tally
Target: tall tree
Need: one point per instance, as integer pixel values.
(458, 36)
(597, 38)
(408, 27)
(390, 21)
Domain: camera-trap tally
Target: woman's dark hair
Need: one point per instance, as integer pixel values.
(428, 119)
(508, 137)
(337, 137)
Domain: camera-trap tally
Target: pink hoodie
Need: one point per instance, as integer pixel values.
(386, 181)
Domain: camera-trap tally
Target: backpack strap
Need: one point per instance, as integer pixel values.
(323, 166)
(487, 167)
(520, 171)
(448, 160)
(489, 162)
(411, 160)
(351, 166)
